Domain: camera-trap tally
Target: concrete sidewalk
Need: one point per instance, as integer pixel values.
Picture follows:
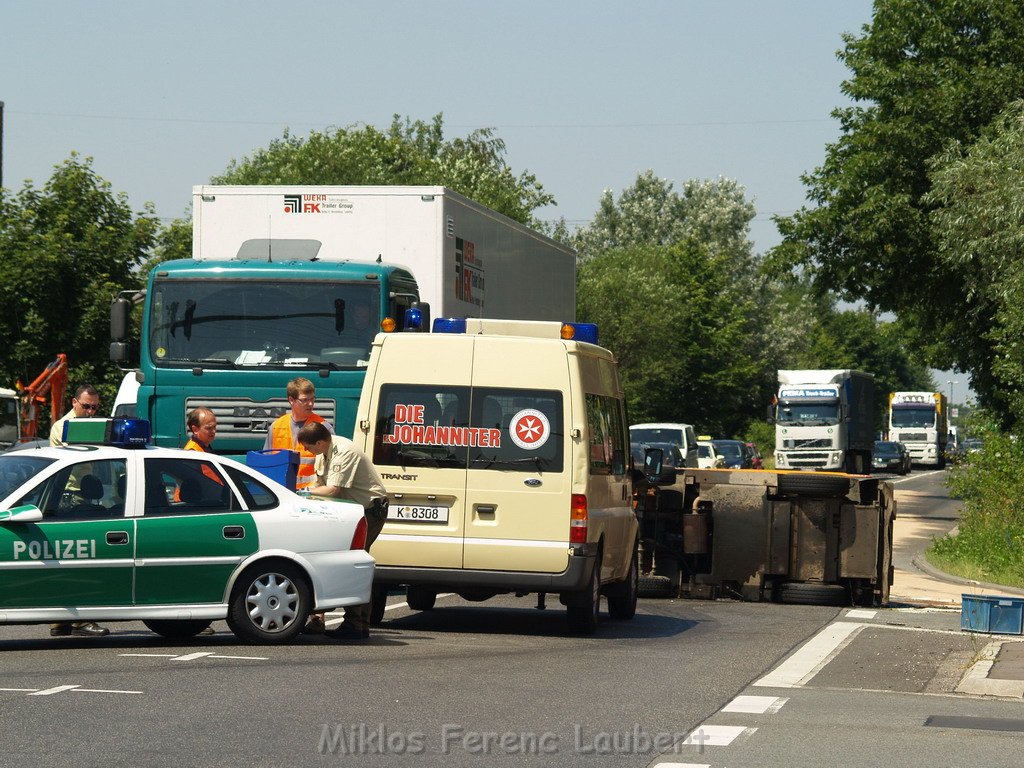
(998, 669)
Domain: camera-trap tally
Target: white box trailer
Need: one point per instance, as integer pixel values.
(468, 260)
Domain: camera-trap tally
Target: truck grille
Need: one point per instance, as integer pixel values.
(245, 418)
(920, 436)
(808, 460)
(802, 444)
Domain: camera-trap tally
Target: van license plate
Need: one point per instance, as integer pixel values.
(407, 513)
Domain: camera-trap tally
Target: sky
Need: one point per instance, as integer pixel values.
(586, 95)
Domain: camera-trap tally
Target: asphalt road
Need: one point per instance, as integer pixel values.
(501, 683)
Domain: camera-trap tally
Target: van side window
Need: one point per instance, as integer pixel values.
(606, 433)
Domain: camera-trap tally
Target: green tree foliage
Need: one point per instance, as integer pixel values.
(924, 73)
(65, 252)
(978, 228)
(668, 315)
(408, 152)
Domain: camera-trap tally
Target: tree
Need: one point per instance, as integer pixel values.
(924, 73)
(679, 335)
(978, 228)
(65, 252)
(409, 152)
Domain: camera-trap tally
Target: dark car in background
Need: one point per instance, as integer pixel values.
(735, 453)
(673, 457)
(889, 456)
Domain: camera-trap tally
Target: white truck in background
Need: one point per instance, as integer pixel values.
(920, 420)
(824, 420)
(468, 261)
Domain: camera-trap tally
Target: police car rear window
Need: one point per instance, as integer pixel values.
(469, 427)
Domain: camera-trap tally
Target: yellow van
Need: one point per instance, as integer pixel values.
(504, 449)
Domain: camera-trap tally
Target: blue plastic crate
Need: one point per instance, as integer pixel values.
(991, 613)
(282, 466)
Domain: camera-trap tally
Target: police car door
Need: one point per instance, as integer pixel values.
(81, 554)
(518, 481)
(192, 535)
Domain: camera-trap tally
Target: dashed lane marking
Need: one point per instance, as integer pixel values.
(716, 735)
(860, 613)
(194, 656)
(755, 705)
(63, 689)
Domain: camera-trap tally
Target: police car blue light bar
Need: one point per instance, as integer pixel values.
(540, 329)
(119, 432)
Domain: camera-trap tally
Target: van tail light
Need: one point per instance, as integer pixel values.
(578, 519)
(359, 537)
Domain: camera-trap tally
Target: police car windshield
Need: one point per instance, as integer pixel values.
(262, 323)
(16, 468)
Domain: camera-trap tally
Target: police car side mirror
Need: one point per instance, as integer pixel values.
(25, 514)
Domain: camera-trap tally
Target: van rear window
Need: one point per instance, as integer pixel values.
(469, 427)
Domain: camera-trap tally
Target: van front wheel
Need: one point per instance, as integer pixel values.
(420, 598)
(583, 606)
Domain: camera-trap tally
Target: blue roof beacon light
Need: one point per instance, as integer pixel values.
(417, 317)
(586, 332)
(450, 325)
(130, 433)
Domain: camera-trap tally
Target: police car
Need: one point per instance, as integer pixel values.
(109, 528)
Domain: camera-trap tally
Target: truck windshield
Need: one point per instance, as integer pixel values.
(913, 417)
(243, 323)
(796, 414)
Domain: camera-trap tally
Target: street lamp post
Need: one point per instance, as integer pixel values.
(951, 383)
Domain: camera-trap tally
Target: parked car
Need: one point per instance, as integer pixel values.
(735, 453)
(708, 456)
(673, 457)
(889, 456)
(755, 456)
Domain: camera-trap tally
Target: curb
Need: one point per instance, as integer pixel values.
(923, 565)
(977, 681)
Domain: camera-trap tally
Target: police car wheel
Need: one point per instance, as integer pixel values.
(176, 630)
(270, 603)
(378, 603)
(584, 606)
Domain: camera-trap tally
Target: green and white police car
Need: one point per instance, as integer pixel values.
(124, 531)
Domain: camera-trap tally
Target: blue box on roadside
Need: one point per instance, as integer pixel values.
(279, 465)
(991, 613)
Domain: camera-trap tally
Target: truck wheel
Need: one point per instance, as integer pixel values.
(809, 484)
(270, 603)
(622, 595)
(175, 629)
(420, 598)
(584, 605)
(809, 593)
(655, 586)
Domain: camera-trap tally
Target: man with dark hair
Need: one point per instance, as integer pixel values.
(84, 404)
(344, 472)
(202, 428)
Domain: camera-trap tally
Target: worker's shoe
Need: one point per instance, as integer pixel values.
(346, 631)
(60, 630)
(315, 625)
(209, 630)
(88, 629)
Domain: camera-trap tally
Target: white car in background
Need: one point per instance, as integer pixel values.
(707, 456)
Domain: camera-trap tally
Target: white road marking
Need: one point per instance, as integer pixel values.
(55, 689)
(803, 665)
(19, 690)
(716, 735)
(860, 613)
(192, 656)
(101, 690)
(757, 705)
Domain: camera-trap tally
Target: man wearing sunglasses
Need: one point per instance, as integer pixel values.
(85, 404)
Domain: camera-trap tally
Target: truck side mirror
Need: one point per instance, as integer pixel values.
(653, 459)
(770, 414)
(120, 314)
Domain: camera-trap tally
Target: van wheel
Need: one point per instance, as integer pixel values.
(583, 606)
(622, 596)
(420, 598)
(176, 629)
(378, 602)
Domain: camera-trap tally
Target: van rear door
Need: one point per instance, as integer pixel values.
(422, 460)
(518, 485)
